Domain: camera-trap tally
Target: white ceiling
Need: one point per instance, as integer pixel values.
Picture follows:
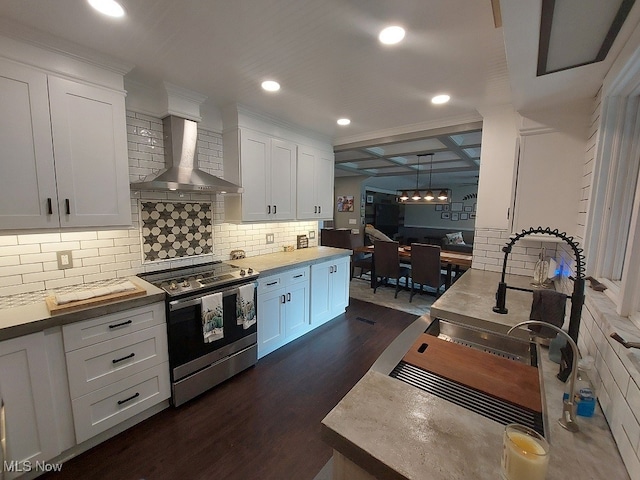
(326, 55)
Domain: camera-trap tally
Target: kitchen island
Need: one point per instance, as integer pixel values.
(385, 428)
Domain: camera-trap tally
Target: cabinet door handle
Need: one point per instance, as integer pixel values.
(283, 299)
(268, 209)
(319, 208)
(67, 206)
(117, 360)
(315, 209)
(288, 297)
(116, 325)
(49, 206)
(331, 269)
(120, 402)
(274, 209)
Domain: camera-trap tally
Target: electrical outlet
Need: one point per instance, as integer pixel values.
(270, 238)
(312, 234)
(65, 259)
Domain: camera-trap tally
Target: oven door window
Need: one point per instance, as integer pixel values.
(186, 340)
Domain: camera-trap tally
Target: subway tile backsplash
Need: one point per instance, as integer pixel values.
(28, 260)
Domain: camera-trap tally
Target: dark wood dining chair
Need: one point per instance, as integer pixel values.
(425, 268)
(363, 261)
(386, 259)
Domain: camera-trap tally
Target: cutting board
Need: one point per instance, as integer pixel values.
(499, 377)
(91, 302)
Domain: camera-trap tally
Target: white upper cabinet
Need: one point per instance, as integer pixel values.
(315, 184)
(90, 148)
(63, 145)
(267, 168)
(28, 181)
(548, 179)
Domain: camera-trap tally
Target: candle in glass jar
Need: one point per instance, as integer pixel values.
(525, 454)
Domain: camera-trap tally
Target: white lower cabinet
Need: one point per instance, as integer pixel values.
(27, 415)
(283, 309)
(296, 301)
(329, 290)
(118, 366)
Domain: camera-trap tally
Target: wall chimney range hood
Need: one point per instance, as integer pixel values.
(182, 173)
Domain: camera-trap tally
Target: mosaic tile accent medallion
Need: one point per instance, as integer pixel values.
(175, 229)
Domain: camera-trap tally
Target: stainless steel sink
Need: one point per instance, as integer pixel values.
(491, 342)
(476, 401)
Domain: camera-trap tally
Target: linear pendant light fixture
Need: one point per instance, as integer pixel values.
(416, 197)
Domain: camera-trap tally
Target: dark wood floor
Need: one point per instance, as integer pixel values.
(261, 424)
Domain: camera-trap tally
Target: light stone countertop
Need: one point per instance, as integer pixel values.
(470, 301)
(273, 263)
(35, 317)
(395, 431)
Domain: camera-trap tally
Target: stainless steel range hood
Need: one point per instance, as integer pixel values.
(182, 172)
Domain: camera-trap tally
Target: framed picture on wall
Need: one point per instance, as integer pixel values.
(468, 208)
(464, 216)
(345, 203)
(438, 208)
(445, 215)
(456, 206)
(455, 217)
(472, 216)
(369, 198)
(446, 207)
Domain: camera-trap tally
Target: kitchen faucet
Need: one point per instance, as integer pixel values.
(568, 419)
(577, 297)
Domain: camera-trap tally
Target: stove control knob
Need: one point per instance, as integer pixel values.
(250, 271)
(185, 283)
(242, 273)
(173, 286)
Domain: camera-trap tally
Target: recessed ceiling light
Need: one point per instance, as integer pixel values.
(391, 35)
(344, 121)
(440, 99)
(271, 86)
(108, 7)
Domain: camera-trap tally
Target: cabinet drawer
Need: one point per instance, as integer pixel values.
(288, 277)
(97, 366)
(104, 408)
(295, 276)
(106, 327)
(269, 284)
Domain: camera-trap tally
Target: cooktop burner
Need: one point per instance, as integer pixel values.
(206, 276)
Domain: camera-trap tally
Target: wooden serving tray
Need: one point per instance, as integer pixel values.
(91, 302)
(499, 377)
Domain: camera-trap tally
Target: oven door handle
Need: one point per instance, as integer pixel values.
(180, 304)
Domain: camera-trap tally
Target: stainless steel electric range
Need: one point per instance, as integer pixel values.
(198, 365)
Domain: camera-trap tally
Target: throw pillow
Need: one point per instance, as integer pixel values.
(455, 238)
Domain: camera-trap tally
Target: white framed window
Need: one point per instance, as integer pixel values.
(612, 237)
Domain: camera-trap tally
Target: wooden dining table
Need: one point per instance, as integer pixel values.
(449, 260)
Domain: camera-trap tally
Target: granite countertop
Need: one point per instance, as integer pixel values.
(273, 263)
(396, 431)
(35, 316)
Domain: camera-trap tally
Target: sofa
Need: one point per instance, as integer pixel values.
(436, 236)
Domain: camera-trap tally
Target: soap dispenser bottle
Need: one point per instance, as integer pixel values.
(585, 396)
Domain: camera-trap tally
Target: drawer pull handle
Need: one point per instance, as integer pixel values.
(117, 360)
(121, 324)
(299, 275)
(120, 402)
(272, 283)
